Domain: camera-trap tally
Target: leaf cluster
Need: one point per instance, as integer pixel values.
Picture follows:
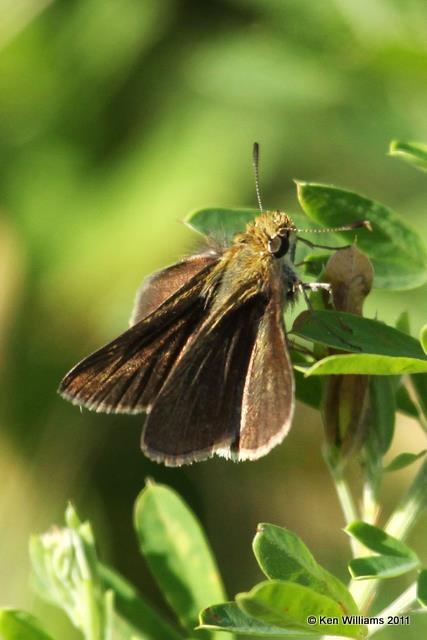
(102, 604)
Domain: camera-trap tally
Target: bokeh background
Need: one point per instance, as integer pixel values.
(117, 118)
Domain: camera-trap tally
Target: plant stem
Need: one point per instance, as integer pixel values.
(414, 397)
(400, 523)
(370, 503)
(398, 606)
(345, 499)
(90, 624)
(409, 509)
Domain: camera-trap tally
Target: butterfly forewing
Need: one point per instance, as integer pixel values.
(127, 374)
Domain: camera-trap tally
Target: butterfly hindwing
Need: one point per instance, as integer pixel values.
(162, 284)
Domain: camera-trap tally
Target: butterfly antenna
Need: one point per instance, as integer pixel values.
(255, 164)
(348, 227)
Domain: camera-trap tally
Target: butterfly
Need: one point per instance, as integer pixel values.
(206, 355)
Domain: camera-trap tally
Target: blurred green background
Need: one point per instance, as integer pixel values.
(118, 117)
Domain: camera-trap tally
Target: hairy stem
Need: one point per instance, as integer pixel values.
(345, 498)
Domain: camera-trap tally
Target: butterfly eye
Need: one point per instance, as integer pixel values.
(278, 246)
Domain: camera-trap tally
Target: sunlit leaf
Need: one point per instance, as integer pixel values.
(380, 567)
(289, 605)
(282, 555)
(177, 552)
(366, 364)
(377, 540)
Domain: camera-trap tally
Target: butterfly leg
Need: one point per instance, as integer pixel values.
(314, 286)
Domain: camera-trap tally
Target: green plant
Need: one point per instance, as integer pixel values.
(358, 373)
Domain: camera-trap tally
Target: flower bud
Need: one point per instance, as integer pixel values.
(65, 571)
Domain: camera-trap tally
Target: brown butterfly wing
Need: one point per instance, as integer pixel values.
(126, 375)
(268, 397)
(198, 411)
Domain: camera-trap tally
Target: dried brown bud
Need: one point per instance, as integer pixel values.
(350, 274)
(346, 396)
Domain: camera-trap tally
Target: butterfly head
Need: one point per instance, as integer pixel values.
(273, 231)
(279, 231)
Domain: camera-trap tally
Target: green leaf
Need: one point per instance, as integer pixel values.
(402, 323)
(380, 567)
(419, 383)
(130, 605)
(228, 617)
(305, 390)
(404, 460)
(365, 364)
(289, 605)
(422, 588)
(380, 349)
(398, 256)
(177, 552)
(220, 223)
(282, 555)
(20, 625)
(383, 408)
(404, 402)
(353, 333)
(377, 540)
(413, 152)
(423, 338)
(395, 557)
